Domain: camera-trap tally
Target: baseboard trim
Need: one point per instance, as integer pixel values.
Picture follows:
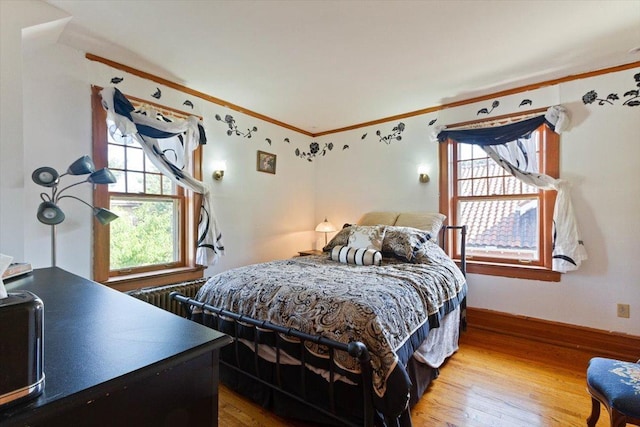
(599, 342)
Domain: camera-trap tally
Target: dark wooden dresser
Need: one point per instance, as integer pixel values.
(113, 360)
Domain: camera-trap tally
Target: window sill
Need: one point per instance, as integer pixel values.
(155, 278)
(514, 271)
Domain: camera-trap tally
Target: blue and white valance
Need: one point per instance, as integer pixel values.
(512, 148)
(153, 132)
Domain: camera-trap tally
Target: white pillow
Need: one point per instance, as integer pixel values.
(431, 222)
(378, 218)
(368, 237)
(358, 256)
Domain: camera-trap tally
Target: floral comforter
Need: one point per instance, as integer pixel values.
(381, 306)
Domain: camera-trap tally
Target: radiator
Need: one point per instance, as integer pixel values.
(159, 295)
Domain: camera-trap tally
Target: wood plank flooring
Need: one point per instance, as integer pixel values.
(493, 380)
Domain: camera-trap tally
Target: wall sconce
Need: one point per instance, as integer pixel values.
(422, 172)
(325, 227)
(49, 212)
(218, 169)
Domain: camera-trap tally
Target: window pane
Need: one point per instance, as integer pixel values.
(465, 169)
(145, 234)
(120, 185)
(168, 187)
(480, 187)
(135, 182)
(501, 228)
(478, 152)
(512, 185)
(494, 169)
(465, 151)
(116, 156)
(153, 184)
(150, 167)
(479, 168)
(135, 159)
(495, 186)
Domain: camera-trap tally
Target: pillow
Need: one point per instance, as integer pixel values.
(340, 239)
(376, 218)
(404, 242)
(358, 256)
(431, 222)
(369, 237)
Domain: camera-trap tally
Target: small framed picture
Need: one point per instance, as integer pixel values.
(266, 162)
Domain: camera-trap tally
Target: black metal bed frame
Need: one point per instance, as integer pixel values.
(355, 349)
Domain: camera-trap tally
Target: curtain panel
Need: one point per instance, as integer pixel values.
(511, 147)
(158, 135)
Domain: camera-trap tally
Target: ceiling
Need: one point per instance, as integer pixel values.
(323, 65)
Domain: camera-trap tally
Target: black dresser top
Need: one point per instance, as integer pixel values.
(95, 335)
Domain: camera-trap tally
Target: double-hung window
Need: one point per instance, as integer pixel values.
(151, 242)
(509, 223)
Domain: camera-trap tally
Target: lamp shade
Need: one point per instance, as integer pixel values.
(325, 227)
(82, 166)
(104, 216)
(102, 176)
(45, 176)
(49, 213)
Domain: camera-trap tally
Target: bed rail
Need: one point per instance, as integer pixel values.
(355, 349)
(463, 244)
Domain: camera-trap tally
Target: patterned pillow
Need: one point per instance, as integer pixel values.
(358, 256)
(404, 242)
(340, 239)
(369, 237)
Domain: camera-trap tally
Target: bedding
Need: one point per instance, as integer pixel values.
(406, 309)
(378, 305)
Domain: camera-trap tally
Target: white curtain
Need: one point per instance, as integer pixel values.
(512, 148)
(520, 160)
(178, 137)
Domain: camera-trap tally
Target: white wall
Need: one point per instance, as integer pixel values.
(45, 119)
(600, 156)
(263, 216)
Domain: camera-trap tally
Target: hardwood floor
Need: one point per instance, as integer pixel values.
(493, 380)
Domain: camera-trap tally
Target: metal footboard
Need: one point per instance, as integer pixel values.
(355, 349)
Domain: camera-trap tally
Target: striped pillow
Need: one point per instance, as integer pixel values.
(358, 256)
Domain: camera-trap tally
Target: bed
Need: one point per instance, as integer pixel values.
(350, 337)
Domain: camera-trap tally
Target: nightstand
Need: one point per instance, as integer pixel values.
(310, 252)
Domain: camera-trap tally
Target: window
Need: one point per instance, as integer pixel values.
(509, 223)
(152, 241)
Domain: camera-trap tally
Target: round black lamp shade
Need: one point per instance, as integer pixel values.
(104, 216)
(82, 166)
(50, 214)
(102, 176)
(45, 176)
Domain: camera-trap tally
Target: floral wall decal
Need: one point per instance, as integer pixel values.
(494, 105)
(633, 96)
(157, 94)
(314, 151)
(345, 147)
(525, 102)
(394, 135)
(188, 103)
(287, 140)
(431, 122)
(116, 80)
(363, 136)
(233, 129)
